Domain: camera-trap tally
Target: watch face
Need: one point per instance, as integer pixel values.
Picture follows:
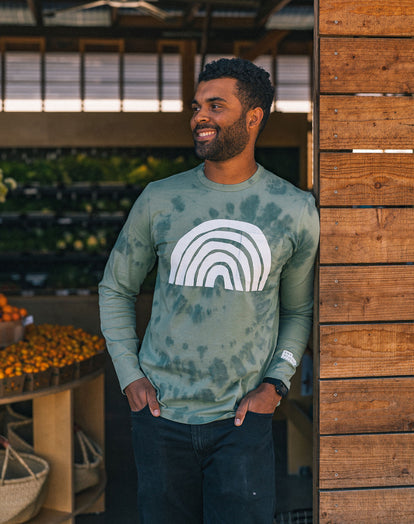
(281, 391)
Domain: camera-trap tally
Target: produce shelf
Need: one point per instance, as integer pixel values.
(54, 411)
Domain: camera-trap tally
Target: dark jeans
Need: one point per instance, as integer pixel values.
(213, 473)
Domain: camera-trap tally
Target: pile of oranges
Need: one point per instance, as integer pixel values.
(10, 313)
(48, 346)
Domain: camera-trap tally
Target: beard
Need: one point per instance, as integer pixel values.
(228, 142)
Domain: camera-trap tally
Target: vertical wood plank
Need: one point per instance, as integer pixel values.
(53, 440)
(89, 405)
(365, 424)
(188, 51)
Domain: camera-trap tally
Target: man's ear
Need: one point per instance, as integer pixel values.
(254, 117)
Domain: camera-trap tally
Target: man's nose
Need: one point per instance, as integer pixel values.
(200, 116)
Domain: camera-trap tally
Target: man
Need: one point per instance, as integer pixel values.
(231, 313)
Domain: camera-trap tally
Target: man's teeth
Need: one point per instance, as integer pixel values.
(206, 133)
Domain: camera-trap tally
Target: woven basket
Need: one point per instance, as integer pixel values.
(11, 332)
(7, 415)
(20, 435)
(88, 462)
(13, 415)
(22, 485)
(88, 455)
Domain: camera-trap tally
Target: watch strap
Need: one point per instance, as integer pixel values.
(280, 387)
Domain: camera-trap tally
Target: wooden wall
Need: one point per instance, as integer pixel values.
(365, 373)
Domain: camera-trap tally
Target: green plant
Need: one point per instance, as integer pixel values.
(5, 185)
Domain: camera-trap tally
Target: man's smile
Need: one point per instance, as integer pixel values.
(204, 134)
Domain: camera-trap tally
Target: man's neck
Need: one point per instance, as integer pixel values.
(233, 171)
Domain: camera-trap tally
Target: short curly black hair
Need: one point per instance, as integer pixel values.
(253, 82)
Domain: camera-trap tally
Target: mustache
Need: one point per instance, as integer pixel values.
(199, 127)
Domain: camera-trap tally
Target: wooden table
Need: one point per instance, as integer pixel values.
(54, 411)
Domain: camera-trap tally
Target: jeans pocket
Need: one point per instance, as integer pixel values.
(260, 415)
(145, 410)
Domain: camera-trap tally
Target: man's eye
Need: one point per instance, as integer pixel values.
(195, 109)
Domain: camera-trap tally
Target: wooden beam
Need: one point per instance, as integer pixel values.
(366, 293)
(366, 122)
(363, 350)
(114, 16)
(36, 11)
(188, 54)
(356, 461)
(128, 129)
(268, 43)
(53, 440)
(367, 235)
(204, 38)
(390, 505)
(268, 8)
(190, 13)
(366, 17)
(367, 65)
(360, 405)
(237, 3)
(363, 179)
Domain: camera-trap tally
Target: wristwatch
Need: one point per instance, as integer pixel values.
(280, 388)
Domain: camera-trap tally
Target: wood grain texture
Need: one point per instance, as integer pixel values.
(362, 350)
(366, 65)
(371, 506)
(53, 440)
(351, 461)
(367, 236)
(360, 179)
(366, 122)
(367, 405)
(366, 17)
(366, 293)
(90, 416)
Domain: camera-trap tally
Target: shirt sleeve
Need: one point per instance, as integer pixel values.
(132, 257)
(296, 298)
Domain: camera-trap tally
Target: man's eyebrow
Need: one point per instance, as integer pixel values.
(212, 99)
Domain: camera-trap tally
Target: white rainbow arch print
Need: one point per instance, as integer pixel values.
(234, 250)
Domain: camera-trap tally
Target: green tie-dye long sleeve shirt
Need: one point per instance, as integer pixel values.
(233, 296)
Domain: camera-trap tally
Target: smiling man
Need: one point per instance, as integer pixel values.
(217, 103)
(231, 314)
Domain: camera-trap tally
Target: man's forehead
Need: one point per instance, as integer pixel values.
(218, 88)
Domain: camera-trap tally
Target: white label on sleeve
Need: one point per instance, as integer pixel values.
(287, 355)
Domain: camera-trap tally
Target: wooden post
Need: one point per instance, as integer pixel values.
(365, 367)
(188, 53)
(90, 416)
(53, 440)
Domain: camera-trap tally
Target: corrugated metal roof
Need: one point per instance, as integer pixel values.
(292, 18)
(17, 12)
